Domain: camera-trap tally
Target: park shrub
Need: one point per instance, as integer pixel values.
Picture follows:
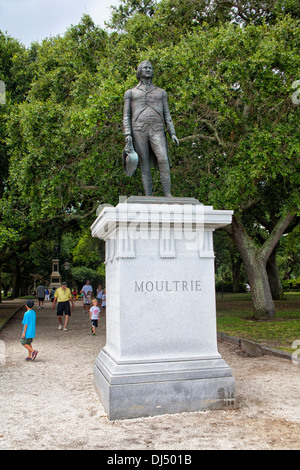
(291, 285)
(228, 287)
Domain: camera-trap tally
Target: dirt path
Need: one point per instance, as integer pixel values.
(51, 403)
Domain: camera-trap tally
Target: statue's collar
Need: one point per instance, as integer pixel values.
(142, 87)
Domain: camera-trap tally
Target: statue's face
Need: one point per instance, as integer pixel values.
(146, 71)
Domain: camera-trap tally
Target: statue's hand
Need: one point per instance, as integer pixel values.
(175, 140)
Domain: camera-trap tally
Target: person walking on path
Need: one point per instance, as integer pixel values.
(28, 333)
(52, 293)
(87, 292)
(47, 294)
(94, 315)
(63, 297)
(103, 306)
(99, 295)
(40, 293)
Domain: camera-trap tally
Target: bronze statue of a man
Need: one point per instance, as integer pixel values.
(146, 113)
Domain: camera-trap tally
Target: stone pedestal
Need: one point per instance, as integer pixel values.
(161, 352)
(55, 278)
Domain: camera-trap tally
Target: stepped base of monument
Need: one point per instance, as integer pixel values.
(140, 389)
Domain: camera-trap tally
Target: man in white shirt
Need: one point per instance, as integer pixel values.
(87, 292)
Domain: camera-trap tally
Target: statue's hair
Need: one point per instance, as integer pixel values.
(140, 66)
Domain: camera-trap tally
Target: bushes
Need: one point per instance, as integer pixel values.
(228, 287)
(292, 285)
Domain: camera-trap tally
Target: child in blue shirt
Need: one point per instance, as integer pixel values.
(28, 333)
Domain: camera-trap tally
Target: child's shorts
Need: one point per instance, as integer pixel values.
(95, 323)
(26, 341)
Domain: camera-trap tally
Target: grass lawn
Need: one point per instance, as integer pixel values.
(234, 312)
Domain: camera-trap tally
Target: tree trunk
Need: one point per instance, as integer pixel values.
(256, 272)
(274, 278)
(16, 281)
(255, 261)
(236, 273)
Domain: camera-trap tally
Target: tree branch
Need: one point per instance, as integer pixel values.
(273, 239)
(215, 138)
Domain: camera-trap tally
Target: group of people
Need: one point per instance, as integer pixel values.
(87, 294)
(98, 303)
(93, 306)
(62, 298)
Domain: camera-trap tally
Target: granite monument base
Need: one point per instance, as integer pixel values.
(161, 345)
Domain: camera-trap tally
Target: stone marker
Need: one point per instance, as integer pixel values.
(161, 351)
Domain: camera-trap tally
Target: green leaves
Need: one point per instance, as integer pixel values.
(228, 69)
(228, 90)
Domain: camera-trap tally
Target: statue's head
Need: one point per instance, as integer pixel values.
(142, 67)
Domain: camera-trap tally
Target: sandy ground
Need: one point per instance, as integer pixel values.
(50, 404)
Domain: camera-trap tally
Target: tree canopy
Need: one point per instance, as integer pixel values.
(229, 68)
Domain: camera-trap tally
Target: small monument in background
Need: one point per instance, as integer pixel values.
(55, 277)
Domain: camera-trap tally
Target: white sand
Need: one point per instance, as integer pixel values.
(51, 403)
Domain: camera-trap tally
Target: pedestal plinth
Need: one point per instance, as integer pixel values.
(161, 342)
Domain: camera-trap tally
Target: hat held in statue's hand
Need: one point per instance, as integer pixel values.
(130, 159)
